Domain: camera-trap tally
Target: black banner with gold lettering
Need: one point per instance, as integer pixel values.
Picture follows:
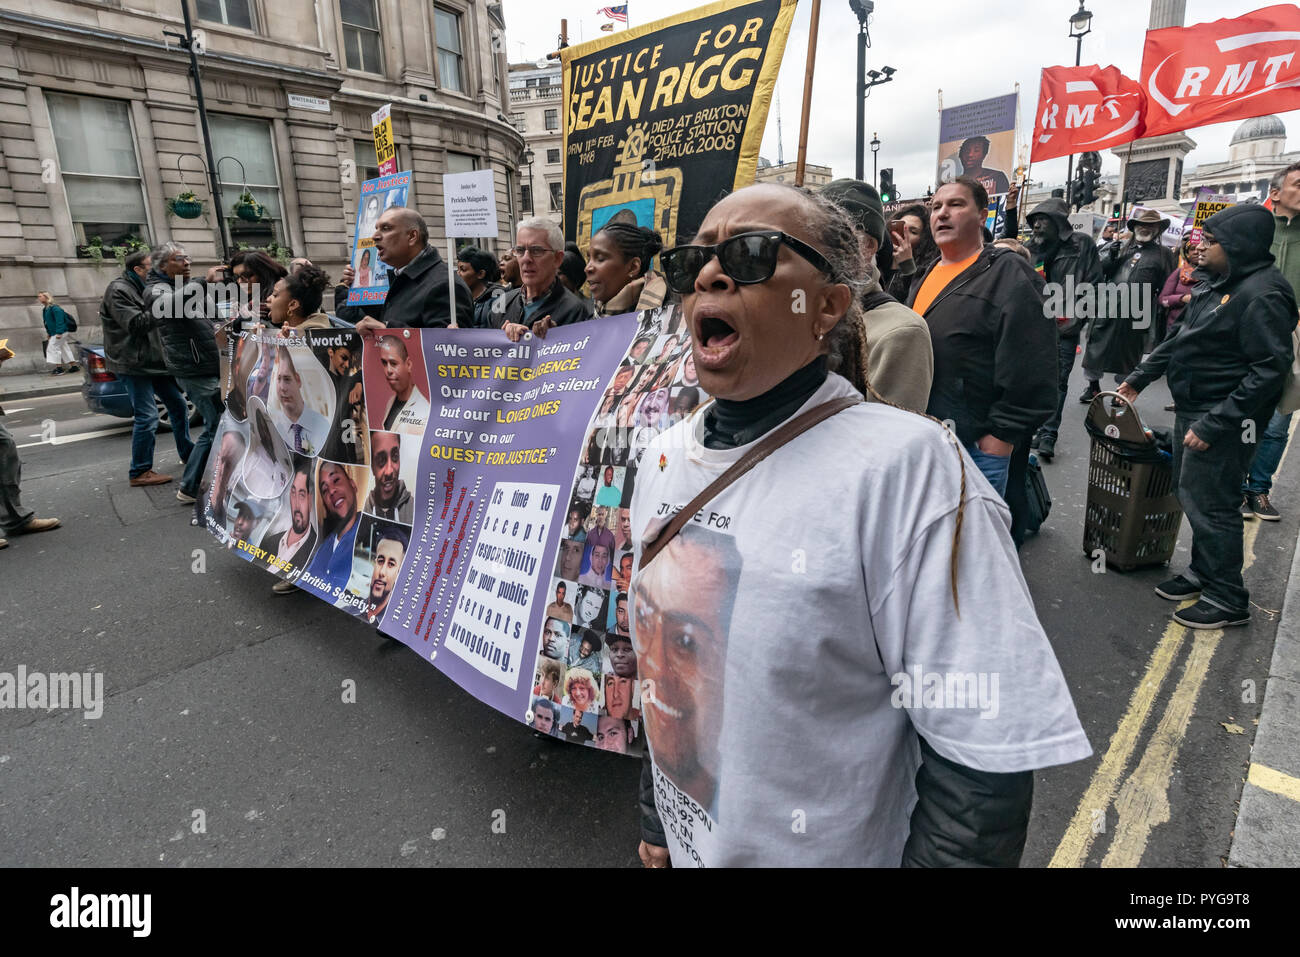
(662, 120)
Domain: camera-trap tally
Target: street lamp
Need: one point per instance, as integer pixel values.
(1080, 27)
(862, 9)
(875, 148)
(532, 199)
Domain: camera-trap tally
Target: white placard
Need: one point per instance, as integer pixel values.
(316, 103)
(469, 204)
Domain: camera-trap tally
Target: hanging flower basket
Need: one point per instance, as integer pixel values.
(249, 209)
(186, 206)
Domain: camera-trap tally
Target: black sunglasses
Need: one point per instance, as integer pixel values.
(747, 258)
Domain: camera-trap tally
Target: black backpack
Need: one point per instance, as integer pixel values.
(1037, 496)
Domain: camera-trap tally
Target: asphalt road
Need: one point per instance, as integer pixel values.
(226, 739)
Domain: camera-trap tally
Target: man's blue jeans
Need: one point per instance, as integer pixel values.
(995, 467)
(205, 393)
(1271, 446)
(141, 389)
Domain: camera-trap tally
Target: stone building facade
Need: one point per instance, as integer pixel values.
(99, 128)
(536, 99)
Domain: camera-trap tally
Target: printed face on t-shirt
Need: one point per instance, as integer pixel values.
(681, 638)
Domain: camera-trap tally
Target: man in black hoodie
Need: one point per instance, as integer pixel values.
(1068, 261)
(1226, 367)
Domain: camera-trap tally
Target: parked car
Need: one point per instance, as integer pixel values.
(106, 394)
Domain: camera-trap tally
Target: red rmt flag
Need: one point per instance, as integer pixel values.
(1084, 108)
(1221, 71)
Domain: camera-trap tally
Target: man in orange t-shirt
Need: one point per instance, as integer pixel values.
(995, 364)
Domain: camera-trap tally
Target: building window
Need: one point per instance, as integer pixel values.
(361, 35)
(531, 81)
(101, 175)
(552, 156)
(363, 152)
(248, 141)
(557, 197)
(233, 13)
(518, 120)
(526, 198)
(446, 27)
(552, 119)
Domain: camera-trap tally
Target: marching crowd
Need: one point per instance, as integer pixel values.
(834, 340)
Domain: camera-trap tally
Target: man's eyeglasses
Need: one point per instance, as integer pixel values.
(537, 252)
(748, 258)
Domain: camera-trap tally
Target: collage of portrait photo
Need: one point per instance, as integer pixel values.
(585, 682)
(300, 483)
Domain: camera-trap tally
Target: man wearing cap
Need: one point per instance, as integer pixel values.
(1118, 336)
(900, 358)
(1068, 260)
(1226, 368)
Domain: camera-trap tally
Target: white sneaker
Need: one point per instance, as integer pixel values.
(185, 499)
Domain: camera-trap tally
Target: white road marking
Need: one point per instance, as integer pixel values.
(60, 440)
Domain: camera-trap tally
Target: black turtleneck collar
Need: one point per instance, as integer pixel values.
(728, 424)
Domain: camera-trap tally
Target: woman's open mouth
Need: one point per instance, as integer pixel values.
(716, 341)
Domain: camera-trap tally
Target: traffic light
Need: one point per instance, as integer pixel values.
(1088, 178)
(887, 192)
(1077, 191)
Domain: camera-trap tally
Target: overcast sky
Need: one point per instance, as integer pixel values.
(970, 51)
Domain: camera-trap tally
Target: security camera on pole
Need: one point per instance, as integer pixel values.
(863, 10)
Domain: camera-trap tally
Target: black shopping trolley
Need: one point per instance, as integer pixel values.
(1133, 513)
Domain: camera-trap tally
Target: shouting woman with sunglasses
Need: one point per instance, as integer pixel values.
(810, 568)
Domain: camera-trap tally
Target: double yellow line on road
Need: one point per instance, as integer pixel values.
(1141, 801)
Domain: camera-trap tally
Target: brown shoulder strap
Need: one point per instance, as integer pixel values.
(773, 441)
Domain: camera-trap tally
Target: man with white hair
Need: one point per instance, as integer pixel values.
(542, 301)
(417, 280)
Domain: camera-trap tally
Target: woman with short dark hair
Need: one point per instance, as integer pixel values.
(480, 271)
(788, 647)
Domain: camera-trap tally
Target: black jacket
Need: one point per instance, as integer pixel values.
(995, 356)
(561, 305)
(131, 343)
(417, 297)
(1075, 255)
(483, 304)
(182, 318)
(1228, 359)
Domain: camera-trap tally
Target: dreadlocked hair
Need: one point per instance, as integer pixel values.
(837, 240)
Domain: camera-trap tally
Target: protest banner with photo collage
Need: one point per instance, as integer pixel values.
(466, 495)
(370, 285)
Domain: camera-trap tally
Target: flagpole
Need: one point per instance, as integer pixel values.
(807, 91)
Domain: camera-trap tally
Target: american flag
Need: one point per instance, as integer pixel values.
(615, 13)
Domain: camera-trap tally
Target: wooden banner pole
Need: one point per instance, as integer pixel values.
(807, 91)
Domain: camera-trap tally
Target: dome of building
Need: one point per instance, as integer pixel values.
(1259, 128)
(764, 162)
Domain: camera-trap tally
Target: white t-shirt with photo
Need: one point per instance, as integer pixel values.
(794, 691)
